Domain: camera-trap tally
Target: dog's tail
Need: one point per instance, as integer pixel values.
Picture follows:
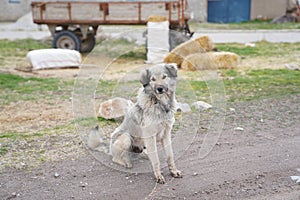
(95, 141)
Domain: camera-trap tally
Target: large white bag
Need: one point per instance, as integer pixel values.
(53, 58)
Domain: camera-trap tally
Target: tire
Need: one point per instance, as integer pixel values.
(88, 44)
(66, 40)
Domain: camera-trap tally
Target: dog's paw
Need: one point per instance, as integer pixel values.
(128, 165)
(160, 179)
(122, 162)
(176, 174)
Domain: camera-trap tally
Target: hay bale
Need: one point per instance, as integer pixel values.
(210, 60)
(199, 45)
(205, 42)
(156, 18)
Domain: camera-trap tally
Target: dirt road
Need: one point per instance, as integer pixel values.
(255, 163)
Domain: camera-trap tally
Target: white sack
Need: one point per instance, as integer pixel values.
(53, 58)
(157, 41)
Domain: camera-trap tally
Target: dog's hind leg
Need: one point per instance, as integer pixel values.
(120, 150)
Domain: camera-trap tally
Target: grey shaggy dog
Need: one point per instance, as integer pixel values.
(149, 120)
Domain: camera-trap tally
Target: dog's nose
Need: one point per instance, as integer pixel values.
(161, 89)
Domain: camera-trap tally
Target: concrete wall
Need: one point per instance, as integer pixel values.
(198, 9)
(13, 11)
(267, 8)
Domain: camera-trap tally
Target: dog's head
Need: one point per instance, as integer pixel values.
(160, 79)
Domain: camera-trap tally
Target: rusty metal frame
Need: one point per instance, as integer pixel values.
(181, 7)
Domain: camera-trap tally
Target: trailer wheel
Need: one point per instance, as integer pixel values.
(88, 44)
(66, 40)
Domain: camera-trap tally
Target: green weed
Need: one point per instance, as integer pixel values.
(250, 25)
(19, 48)
(261, 49)
(3, 150)
(14, 88)
(256, 84)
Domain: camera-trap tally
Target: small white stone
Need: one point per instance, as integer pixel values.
(183, 107)
(295, 178)
(232, 109)
(56, 175)
(201, 105)
(250, 44)
(238, 129)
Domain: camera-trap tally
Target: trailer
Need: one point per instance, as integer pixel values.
(74, 24)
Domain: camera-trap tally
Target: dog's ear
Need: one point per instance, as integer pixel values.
(145, 77)
(171, 69)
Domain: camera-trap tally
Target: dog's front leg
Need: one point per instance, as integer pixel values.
(167, 144)
(150, 143)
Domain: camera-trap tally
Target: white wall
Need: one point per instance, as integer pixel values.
(12, 11)
(198, 8)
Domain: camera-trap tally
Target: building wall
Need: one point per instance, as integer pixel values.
(11, 10)
(267, 8)
(198, 9)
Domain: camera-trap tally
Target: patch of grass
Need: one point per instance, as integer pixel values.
(249, 25)
(106, 87)
(190, 91)
(134, 55)
(246, 86)
(28, 150)
(3, 150)
(19, 47)
(102, 122)
(255, 84)
(261, 49)
(14, 88)
(112, 88)
(15, 135)
(120, 48)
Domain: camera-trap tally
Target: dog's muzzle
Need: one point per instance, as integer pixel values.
(161, 89)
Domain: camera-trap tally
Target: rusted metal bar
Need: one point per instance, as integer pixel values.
(69, 11)
(42, 7)
(139, 12)
(96, 22)
(170, 10)
(182, 13)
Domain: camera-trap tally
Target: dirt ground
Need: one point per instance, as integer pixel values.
(253, 163)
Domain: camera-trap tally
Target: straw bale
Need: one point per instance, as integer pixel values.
(205, 42)
(198, 45)
(156, 18)
(210, 60)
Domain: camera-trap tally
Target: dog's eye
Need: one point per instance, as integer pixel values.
(153, 79)
(164, 76)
